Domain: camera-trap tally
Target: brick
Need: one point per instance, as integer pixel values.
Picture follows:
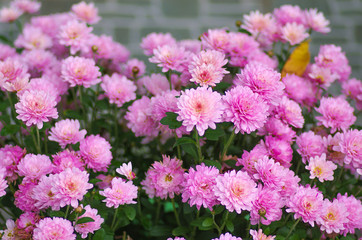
(176, 33)
(180, 9)
(358, 33)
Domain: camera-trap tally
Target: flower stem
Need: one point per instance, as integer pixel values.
(178, 148)
(158, 211)
(168, 75)
(194, 230)
(199, 153)
(175, 212)
(225, 220)
(66, 212)
(215, 224)
(38, 139)
(227, 145)
(45, 142)
(82, 106)
(292, 229)
(114, 219)
(115, 126)
(35, 141)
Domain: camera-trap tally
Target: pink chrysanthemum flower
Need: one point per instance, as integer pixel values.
(269, 172)
(290, 112)
(259, 235)
(43, 194)
(262, 80)
(33, 38)
(35, 107)
(9, 232)
(258, 23)
(126, 170)
(337, 113)
(316, 21)
(200, 107)
(164, 179)
(27, 6)
(321, 168)
(353, 89)
(120, 193)
(310, 145)
(289, 14)
(23, 196)
(9, 14)
(169, 57)
(67, 159)
(300, 90)
(118, 89)
(34, 166)
(242, 49)
(40, 63)
(249, 159)
(289, 185)
(13, 75)
(191, 45)
(86, 12)
(306, 203)
(70, 186)
(67, 132)
(134, 68)
(247, 110)
(96, 152)
(276, 128)
(216, 39)
(10, 157)
(154, 40)
(80, 71)
(155, 83)
(280, 150)
(54, 228)
(321, 75)
(266, 207)
(6, 52)
(235, 190)
(199, 186)
(351, 145)
(3, 182)
(333, 216)
(227, 236)
(331, 143)
(85, 228)
(294, 33)
(75, 35)
(26, 223)
(354, 209)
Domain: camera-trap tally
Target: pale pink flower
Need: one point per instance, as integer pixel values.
(96, 152)
(27, 6)
(354, 210)
(156, 83)
(86, 12)
(289, 112)
(280, 150)
(321, 168)
(332, 144)
(126, 170)
(353, 89)
(337, 113)
(176, 238)
(209, 57)
(276, 128)
(34, 166)
(75, 34)
(306, 203)
(44, 195)
(191, 45)
(40, 62)
(67, 159)
(333, 216)
(263, 58)
(70, 186)
(246, 109)
(300, 90)
(105, 182)
(33, 38)
(3, 182)
(80, 71)
(35, 107)
(154, 40)
(321, 75)
(120, 193)
(310, 145)
(164, 179)
(169, 57)
(10, 157)
(227, 236)
(207, 75)
(242, 49)
(9, 232)
(103, 47)
(9, 14)
(54, 228)
(235, 190)
(42, 84)
(289, 14)
(67, 132)
(294, 33)
(258, 23)
(14, 75)
(289, 184)
(249, 159)
(259, 235)
(118, 89)
(216, 39)
(85, 228)
(269, 172)
(134, 68)
(262, 80)
(6, 52)
(200, 107)
(350, 144)
(199, 187)
(316, 21)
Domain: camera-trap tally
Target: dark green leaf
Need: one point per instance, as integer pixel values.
(214, 134)
(3, 106)
(207, 222)
(171, 121)
(72, 114)
(219, 209)
(56, 214)
(230, 226)
(9, 130)
(213, 163)
(130, 212)
(100, 234)
(180, 231)
(222, 86)
(243, 30)
(183, 140)
(190, 149)
(158, 231)
(95, 180)
(84, 220)
(5, 118)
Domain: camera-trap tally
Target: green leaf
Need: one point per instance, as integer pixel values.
(213, 163)
(243, 30)
(95, 180)
(84, 220)
(72, 114)
(207, 222)
(214, 134)
(218, 209)
(158, 231)
(130, 212)
(180, 231)
(5, 118)
(230, 226)
(190, 149)
(183, 140)
(56, 214)
(171, 121)
(100, 234)
(9, 130)
(3, 106)
(222, 86)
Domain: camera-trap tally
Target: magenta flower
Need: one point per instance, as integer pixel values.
(155, 84)
(67, 159)
(300, 90)
(280, 150)
(289, 14)
(23, 196)
(351, 145)
(235, 190)
(134, 68)
(6, 52)
(354, 209)
(154, 40)
(33, 166)
(290, 112)
(10, 157)
(243, 49)
(227, 236)
(169, 57)
(310, 145)
(269, 172)
(276, 128)
(85, 228)
(120, 193)
(200, 107)
(54, 228)
(67, 132)
(14, 75)
(334, 216)
(249, 159)
(86, 12)
(321, 168)
(3, 182)
(44, 194)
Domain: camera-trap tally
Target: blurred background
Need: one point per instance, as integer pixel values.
(128, 21)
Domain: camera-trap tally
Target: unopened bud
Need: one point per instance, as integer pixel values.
(238, 23)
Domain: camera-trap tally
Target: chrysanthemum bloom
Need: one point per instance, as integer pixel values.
(35, 107)
(10, 157)
(9, 14)
(266, 207)
(276, 128)
(169, 57)
(332, 57)
(85, 228)
(200, 107)
(106, 181)
(101, 47)
(140, 120)
(216, 39)
(307, 203)
(120, 193)
(258, 23)
(27, 6)
(40, 63)
(289, 14)
(242, 49)
(86, 12)
(321, 168)
(235, 190)
(75, 34)
(67, 159)
(164, 179)
(353, 89)
(67, 132)
(269, 172)
(331, 142)
(280, 150)
(43, 194)
(118, 89)
(54, 228)
(34, 166)
(13, 75)
(154, 40)
(249, 159)
(199, 186)
(290, 112)
(191, 45)
(294, 33)
(262, 80)
(96, 152)
(333, 216)
(155, 83)
(310, 145)
(227, 236)
(337, 113)
(23, 196)
(33, 38)
(26, 223)
(9, 232)
(134, 68)
(316, 21)
(300, 90)
(6, 52)
(354, 209)
(70, 186)
(80, 71)
(321, 75)
(289, 184)
(126, 170)
(247, 110)
(351, 145)
(3, 182)
(259, 235)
